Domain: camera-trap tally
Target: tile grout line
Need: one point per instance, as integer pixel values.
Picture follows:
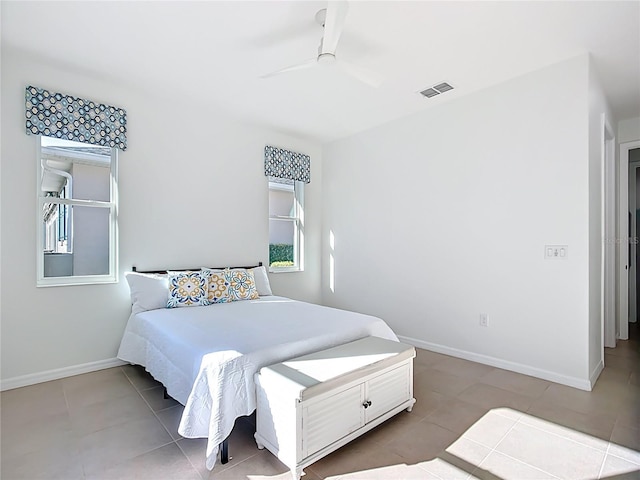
(564, 437)
(461, 436)
(560, 436)
(622, 458)
(505, 435)
(190, 462)
(239, 463)
(104, 469)
(533, 397)
(524, 463)
(173, 440)
(438, 476)
(493, 449)
(171, 436)
(526, 397)
(513, 458)
(604, 460)
(85, 474)
(155, 414)
(139, 392)
(80, 455)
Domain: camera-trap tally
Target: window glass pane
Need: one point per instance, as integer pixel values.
(281, 200)
(56, 225)
(281, 243)
(76, 240)
(286, 208)
(76, 243)
(75, 170)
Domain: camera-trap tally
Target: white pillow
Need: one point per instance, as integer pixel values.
(148, 292)
(262, 281)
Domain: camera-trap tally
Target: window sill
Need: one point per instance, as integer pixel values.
(285, 269)
(76, 280)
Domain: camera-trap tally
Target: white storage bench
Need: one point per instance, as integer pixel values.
(312, 405)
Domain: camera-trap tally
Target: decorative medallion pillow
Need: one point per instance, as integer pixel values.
(187, 289)
(242, 284)
(218, 287)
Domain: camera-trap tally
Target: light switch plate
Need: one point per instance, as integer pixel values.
(556, 252)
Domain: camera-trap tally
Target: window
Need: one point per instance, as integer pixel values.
(77, 214)
(286, 225)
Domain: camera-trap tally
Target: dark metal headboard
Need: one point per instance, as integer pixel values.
(134, 268)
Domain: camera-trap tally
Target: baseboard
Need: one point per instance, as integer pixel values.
(555, 377)
(48, 375)
(596, 373)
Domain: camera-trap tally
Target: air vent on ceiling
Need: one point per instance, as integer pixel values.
(436, 90)
(430, 92)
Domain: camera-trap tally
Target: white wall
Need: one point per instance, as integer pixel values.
(597, 107)
(629, 130)
(444, 215)
(192, 192)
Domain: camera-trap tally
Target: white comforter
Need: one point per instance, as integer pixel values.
(207, 356)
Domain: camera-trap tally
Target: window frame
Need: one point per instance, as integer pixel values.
(112, 205)
(298, 226)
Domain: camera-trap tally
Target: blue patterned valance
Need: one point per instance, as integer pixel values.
(63, 116)
(282, 163)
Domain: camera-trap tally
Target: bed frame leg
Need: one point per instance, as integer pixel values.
(224, 451)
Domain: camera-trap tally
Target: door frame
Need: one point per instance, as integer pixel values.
(627, 297)
(633, 247)
(609, 324)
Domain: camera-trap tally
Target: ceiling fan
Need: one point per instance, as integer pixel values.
(332, 20)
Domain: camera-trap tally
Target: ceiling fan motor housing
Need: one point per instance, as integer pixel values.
(326, 58)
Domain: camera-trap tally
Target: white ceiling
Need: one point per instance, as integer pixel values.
(214, 52)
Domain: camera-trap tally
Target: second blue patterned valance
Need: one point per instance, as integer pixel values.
(63, 116)
(281, 163)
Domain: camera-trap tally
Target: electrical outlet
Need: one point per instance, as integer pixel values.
(484, 320)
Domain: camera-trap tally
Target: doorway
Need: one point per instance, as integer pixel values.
(632, 155)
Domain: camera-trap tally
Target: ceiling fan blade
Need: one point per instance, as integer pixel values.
(333, 25)
(299, 66)
(362, 74)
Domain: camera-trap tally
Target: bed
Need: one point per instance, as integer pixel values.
(206, 356)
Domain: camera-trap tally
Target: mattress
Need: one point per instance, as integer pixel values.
(207, 356)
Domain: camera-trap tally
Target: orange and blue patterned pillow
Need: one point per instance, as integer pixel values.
(217, 285)
(242, 284)
(187, 289)
(230, 285)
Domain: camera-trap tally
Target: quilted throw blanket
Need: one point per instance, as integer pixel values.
(207, 356)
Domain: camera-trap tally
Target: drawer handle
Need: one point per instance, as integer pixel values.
(367, 404)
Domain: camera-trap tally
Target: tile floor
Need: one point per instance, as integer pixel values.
(470, 421)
